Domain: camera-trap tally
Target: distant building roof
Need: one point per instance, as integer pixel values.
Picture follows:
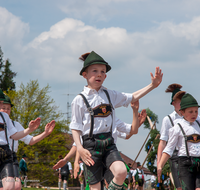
(129, 160)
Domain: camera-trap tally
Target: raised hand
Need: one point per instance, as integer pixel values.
(157, 79)
(142, 116)
(59, 164)
(49, 127)
(34, 124)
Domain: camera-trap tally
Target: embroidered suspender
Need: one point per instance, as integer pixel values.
(5, 127)
(185, 137)
(92, 112)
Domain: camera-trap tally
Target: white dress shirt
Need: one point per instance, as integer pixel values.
(25, 139)
(176, 138)
(80, 119)
(10, 129)
(166, 125)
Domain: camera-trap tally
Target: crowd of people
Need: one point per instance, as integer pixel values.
(95, 129)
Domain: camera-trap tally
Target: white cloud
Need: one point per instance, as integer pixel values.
(12, 30)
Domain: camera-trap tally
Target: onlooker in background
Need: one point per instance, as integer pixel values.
(153, 182)
(80, 175)
(138, 177)
(64, 174)
(23, 167)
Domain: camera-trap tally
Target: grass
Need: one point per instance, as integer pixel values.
(32, 188)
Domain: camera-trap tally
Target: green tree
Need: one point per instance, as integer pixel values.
(43, 155)
(151, 160)
(7, 75)
(31, 101)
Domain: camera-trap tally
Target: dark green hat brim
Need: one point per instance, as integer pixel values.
(188, 101)
(92, 59)
(7, 101)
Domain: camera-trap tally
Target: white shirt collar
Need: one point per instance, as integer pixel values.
(89, 91)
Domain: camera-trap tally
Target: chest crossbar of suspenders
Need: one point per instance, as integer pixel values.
(92, 112)
(185, 137)
(5, 127)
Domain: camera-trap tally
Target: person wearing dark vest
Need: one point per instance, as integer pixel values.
(30, 140)
(23, 167)
(64, 174)
(167, 123)
(93, 118)
(8, 131)
(186, 136)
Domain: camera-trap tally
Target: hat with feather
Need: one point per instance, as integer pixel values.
(174, 89)
(91, 59)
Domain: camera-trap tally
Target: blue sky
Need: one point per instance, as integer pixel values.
(44, 39)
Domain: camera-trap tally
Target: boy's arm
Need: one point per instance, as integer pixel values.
(84, 153)
(135, 121)
(48, 129)
(76, 164)
(161, 164)
(161, 146)
(155, 81)
(33, 125)
(63, 161)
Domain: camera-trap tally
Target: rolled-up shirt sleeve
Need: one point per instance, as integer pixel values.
(173, 140)
(164, 132)
(122, 126)
(77, 115)
(121, 99)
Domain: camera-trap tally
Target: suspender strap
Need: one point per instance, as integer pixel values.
(106, 92)
(91, 115)
(5, 127)
(92, 112)
(13, 141)
(198, 123)
(171, 120)
(186, 146)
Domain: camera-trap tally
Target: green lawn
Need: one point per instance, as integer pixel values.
(32, 188)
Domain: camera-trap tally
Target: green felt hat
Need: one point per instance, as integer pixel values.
(138, 164)
(188, 101)
(7, 101)
(24, 156)
(94, 58)
(2, 96)
(173, 94)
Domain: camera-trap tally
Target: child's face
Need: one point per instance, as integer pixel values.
(190, 114)
(6, 108)
(95, 76)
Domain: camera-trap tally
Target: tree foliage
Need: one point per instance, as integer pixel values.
(30, 102)
(7, 75)
(43, 155)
